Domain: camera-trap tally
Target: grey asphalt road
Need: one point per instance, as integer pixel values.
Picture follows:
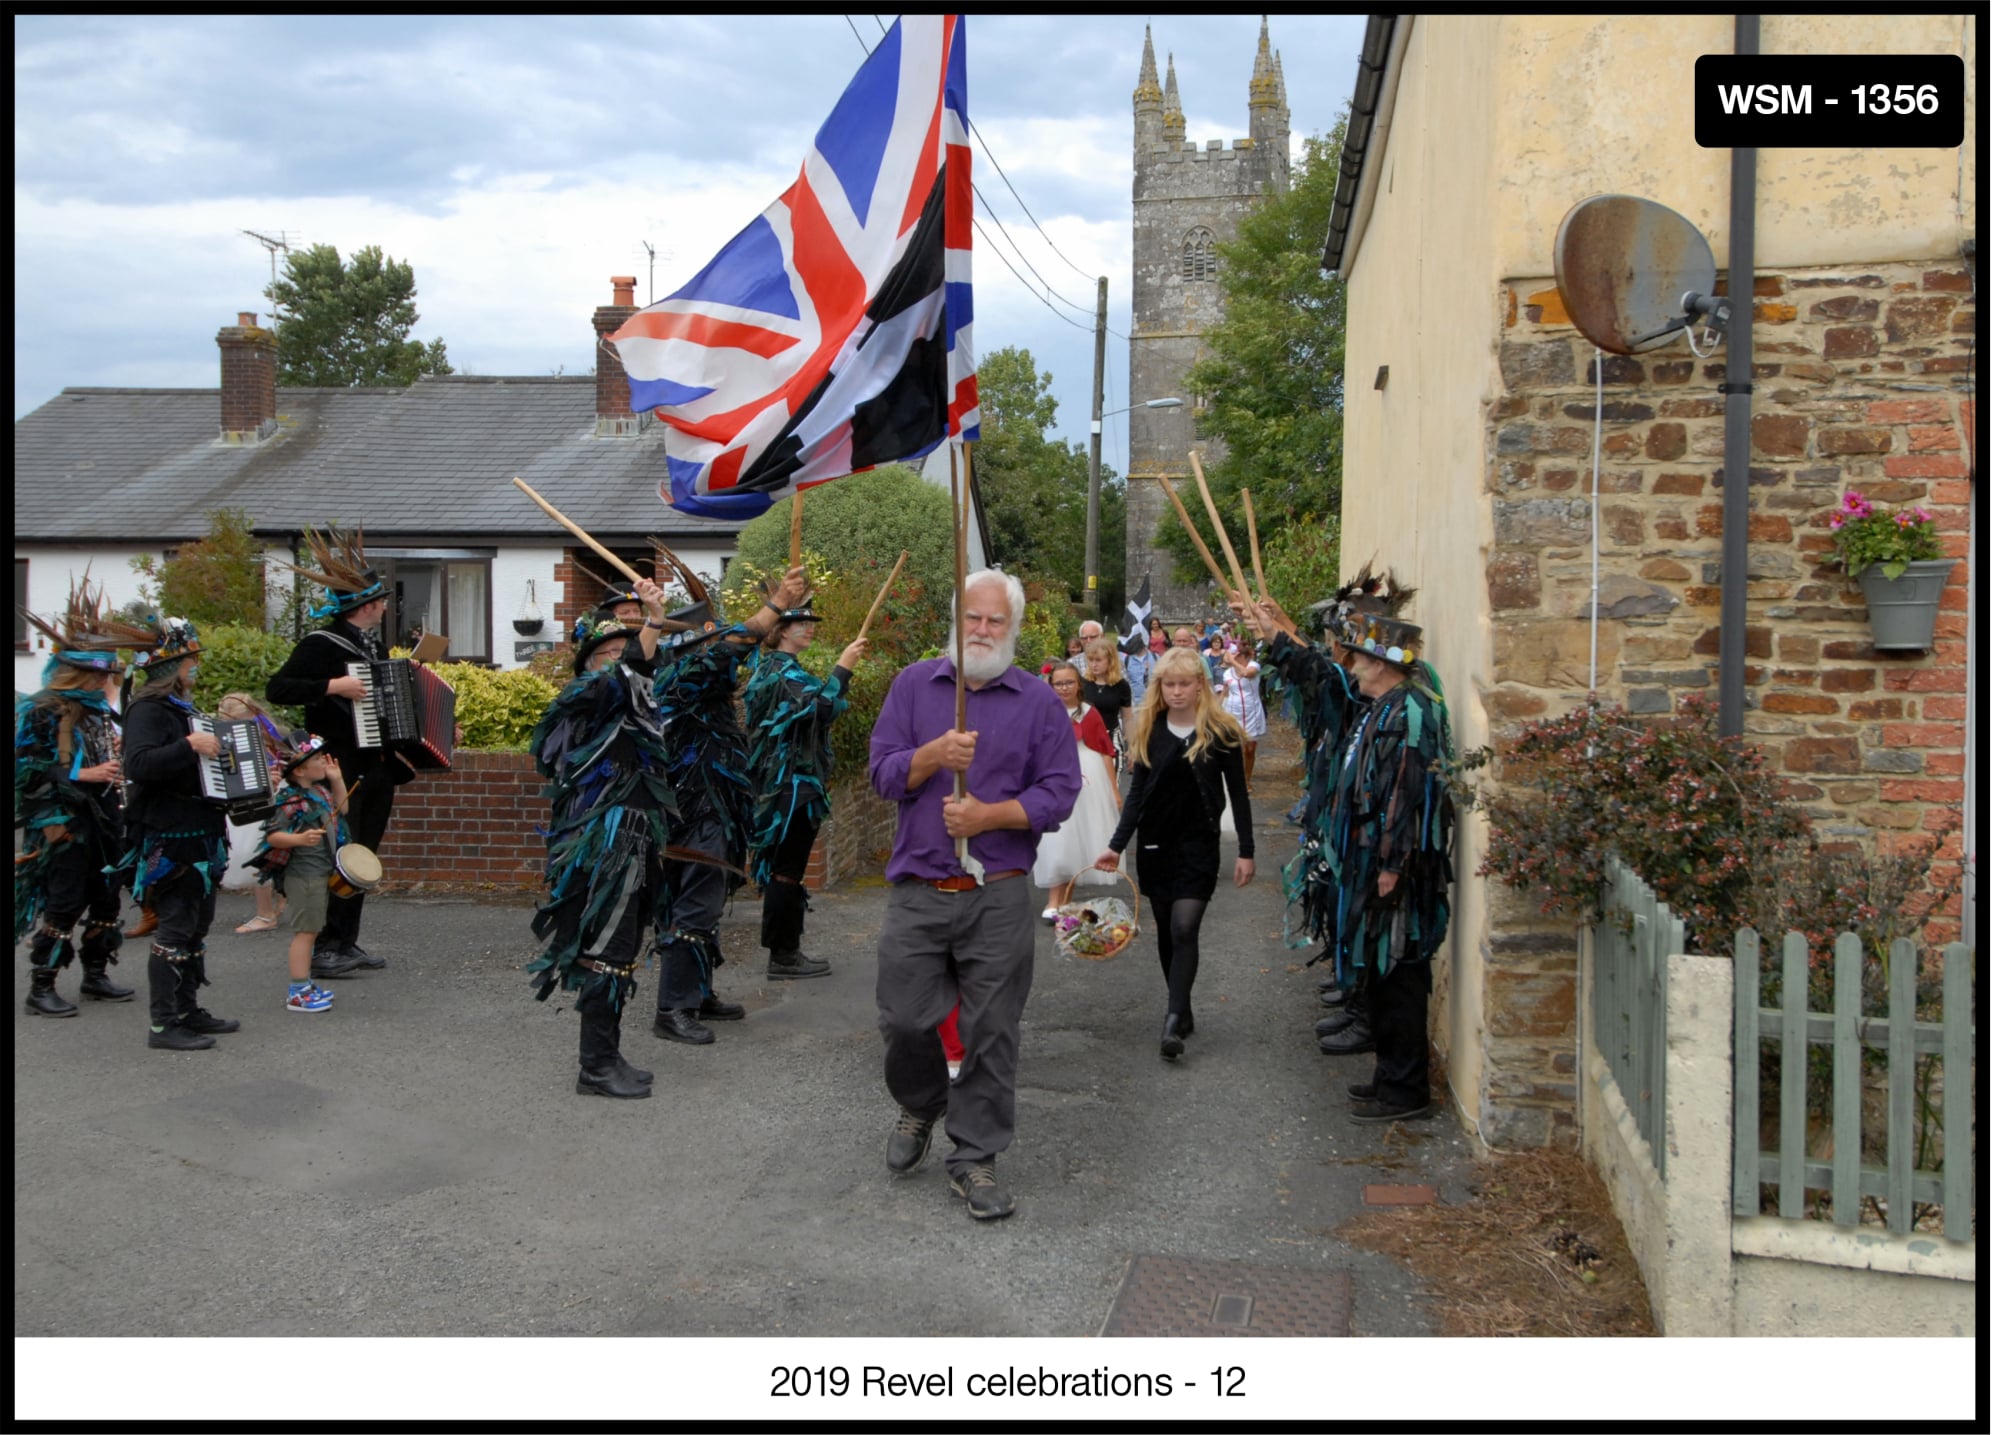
(416, 1162)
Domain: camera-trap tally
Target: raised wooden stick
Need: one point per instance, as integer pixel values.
(876, 606)
(602, 552)
(1256, 553)
(1221, 533)
(1188, 523)
(798, 521)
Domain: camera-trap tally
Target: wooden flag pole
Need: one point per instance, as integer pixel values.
(876, 606)
(958, 606)
(602, 552)
(798, 521)
(1256, 553)
(1221, 533)
(1188, 523)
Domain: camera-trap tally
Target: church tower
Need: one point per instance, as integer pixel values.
(1185, 198)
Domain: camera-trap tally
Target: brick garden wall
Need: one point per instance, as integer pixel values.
(475, 826)
(1861, 383)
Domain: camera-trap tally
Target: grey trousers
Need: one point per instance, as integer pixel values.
(975, 949)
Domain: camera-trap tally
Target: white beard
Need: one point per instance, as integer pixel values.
(984, 664)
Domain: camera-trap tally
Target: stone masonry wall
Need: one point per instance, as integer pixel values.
(1862, 382)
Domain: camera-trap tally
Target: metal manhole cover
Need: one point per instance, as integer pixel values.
(1166, 1296)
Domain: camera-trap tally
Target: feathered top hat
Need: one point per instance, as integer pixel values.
(1380, 636)
(301, 746)
(170, 640)
(695, 623)
(86, 636)
(802, 614)
(1365, 592)
(342, 569)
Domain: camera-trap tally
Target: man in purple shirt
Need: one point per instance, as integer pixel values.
(964, 933)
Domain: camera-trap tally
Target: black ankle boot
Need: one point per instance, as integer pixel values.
(1171, 1045)
(635, 1073)
(42, 997)
(98, 986)
(611, 1080)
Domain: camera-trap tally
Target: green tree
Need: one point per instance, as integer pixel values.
(1273, 372)
(348, 325)
(214, 581)
(1036, 489)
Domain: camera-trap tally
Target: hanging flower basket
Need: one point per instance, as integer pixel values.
(1903, 610)
(1899, 563)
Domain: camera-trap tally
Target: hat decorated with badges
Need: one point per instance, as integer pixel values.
(171, 640)
(1380, 636)
(86, 636)
(592, 634)
(693, 624)
(300, 746)
(802, 614)
(342, 570)
(626, 594)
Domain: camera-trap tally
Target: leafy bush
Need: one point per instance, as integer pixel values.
(1696, 815)
(498, 709)
(1301, 562)
(1865, 534)
(215, 581)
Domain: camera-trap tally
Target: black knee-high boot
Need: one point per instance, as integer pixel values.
(601, 1071)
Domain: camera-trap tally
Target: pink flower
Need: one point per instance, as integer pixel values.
(1838, 524)
(1902, 520)
(1920, 515)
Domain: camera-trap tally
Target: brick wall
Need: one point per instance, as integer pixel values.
(1861, 383)
(476, 825)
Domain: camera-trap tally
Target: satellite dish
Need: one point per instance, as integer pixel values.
(1633, 274)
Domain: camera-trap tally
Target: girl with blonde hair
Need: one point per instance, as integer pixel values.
(1187, 755)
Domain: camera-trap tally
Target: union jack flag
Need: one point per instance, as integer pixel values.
(834, 333)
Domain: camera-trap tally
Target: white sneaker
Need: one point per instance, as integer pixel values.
(1048, 914)
(951, 1070)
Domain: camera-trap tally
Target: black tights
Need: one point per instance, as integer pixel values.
(1177, 923)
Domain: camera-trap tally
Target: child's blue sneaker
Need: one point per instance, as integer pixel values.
(308, 998)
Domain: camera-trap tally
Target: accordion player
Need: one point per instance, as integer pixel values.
(407, 709)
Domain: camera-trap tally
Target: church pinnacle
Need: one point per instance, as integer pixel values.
(1148, 92)
(1173, 119)
(1266, 86)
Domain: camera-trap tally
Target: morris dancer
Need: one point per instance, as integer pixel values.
(696, 687)
(602, 747)
(791, 715)
(296, 855)
(315, 678)
(178, 849)
(67, 798)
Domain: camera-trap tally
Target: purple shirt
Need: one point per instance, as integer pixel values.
(1026, 752)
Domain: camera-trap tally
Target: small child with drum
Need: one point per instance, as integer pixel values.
(297, 857)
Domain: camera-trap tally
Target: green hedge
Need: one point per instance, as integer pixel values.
(498, 709)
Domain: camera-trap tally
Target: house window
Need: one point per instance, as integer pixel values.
(20, 605)
(446, 591)
(1198, 255)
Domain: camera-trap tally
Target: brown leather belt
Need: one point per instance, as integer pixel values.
(966, 884)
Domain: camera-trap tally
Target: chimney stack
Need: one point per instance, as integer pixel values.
(615, 418)
(249, 380)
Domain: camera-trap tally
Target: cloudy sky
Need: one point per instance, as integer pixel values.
(519, 162)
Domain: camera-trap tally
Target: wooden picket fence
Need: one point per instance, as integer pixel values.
(1628, 1008)
(1897, 1182)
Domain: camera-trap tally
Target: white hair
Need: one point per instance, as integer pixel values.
(1017, 599)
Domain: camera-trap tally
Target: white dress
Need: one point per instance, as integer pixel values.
(1069, 850)
(1244, 701)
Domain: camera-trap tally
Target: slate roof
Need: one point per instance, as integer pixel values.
(435, 458)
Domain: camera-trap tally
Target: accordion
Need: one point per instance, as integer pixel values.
(238, 778)
(407, 709)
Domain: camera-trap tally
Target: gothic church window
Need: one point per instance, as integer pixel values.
(1198, 255)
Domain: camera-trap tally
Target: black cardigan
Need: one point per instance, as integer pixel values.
(165, 773)
(1216, 769)
(321, 656)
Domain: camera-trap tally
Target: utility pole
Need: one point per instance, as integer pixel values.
(1090, 592)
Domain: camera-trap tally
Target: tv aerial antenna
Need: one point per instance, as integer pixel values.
(274, 245)
(1633, 274)
(650, 257)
